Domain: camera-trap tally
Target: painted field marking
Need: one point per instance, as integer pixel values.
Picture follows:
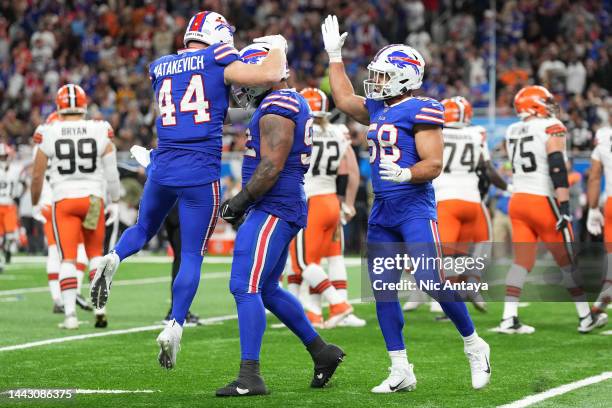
(554, 392)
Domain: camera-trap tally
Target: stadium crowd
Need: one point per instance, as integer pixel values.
(106, 48)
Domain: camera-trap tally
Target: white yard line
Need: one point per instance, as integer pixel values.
(607, 333)
(554, 392)
(79, 391)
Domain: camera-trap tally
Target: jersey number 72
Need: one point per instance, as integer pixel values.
(193, 100)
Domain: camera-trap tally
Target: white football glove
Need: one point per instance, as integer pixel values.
(332, 39)
(142, 155)
(112, 212)
(347, 212)
(509, 188)
(595, 221)
(276, 41)
(390, 171)
(37, 214)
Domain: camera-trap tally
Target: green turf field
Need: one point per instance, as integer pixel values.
(522, 365)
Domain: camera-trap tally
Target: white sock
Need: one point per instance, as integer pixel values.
(510, 309)
(318, 280)
(471, 340)
(399, 358)
(68, 286)
(514, 284)
(313, 303)
(337, 275)
(53, 268)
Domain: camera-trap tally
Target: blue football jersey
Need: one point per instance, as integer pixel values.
(391, 135)
(286, 199)
(193, 99)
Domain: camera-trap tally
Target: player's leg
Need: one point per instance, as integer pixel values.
(605, 296)
(2, 235)
(155, 203)
(422, 237)
(200, 204)
(560, 244)
(482, 251)
(53, 262)
(312, 300)
(11, 236)
(81, 265)
(66, 227)
(524, 243)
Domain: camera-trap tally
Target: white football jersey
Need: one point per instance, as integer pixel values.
(75, 149)
(462, 150)
(526, 147)
(328, 147)
(11, 182)
(603, 154)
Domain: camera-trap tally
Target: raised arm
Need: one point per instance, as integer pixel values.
(275, 145)
(270, 71)
(430, 147)
(341, 87)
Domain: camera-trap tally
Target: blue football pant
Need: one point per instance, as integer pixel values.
(420, 238)
(198, 208)
(260, 254)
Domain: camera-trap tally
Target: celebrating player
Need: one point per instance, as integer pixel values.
(601, 161)
(273, 199)
(192, 91)
(11, 187)
(406, 148)
(322, 237)
(82, 166)
(539, 207)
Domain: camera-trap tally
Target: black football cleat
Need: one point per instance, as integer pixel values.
(244, 387)
(58, 309)
(101, 321)
(326, 361)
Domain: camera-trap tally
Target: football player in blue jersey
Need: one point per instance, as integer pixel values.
(192, 91)
(406, 146)
(273, 200)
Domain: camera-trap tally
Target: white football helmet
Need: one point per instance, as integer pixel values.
(252, 54)
(395, 69)
(210, 28)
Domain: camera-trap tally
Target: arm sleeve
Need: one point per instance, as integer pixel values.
(556, 129)
(225, 54)
(430, 112)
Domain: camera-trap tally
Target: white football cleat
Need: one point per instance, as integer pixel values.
(477, 300)
(411, 306)
(103, 279)
(434, 307)
(512, 325)
(400, 379)
(601, 319)
(169, 341)
(587, 324)
(351, 321)
(71, 322)
(478, 356)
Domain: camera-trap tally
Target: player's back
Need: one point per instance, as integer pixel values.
(74, 150)
(193, 100)
(526, 146)
(603, 153)
(286, 199)
(329, 143)
(462, 149)
(11, 174)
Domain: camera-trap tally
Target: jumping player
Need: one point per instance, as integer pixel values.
(272, 198)
(322, 237)
(192, 91)
(82, 167)
(406, 148)
(539, 207)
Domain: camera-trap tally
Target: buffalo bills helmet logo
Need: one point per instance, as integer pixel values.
(253, 56)
(402, 60)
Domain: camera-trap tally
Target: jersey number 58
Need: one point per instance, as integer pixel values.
(385, 143)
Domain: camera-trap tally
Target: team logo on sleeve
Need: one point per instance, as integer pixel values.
(403, 60)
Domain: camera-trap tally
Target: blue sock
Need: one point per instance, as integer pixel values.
(185, 285)
(391, 322)
(252, 324)
(289, 310)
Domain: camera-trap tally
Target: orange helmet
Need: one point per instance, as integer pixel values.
(534, 100)
(53, 117)
(457, 111)
(71, 99)
(317, 100)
